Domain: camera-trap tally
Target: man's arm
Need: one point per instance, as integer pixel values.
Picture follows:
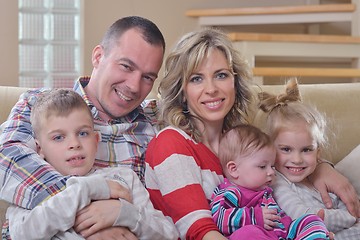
(26, 179)
(57, 214)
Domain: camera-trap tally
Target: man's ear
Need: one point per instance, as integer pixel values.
(232, 169)
(97, 53)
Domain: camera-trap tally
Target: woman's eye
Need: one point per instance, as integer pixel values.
(222, 75)
(195, 79)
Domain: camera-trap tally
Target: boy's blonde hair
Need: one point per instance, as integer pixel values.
(242, 140)
(55, 102)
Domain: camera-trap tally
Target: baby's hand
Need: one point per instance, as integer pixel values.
(270, 217)
(321, 214)
(119, 191)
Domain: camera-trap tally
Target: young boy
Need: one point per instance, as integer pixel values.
(243, 206)
(65, 137)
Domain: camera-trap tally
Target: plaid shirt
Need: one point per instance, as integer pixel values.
(27, 180)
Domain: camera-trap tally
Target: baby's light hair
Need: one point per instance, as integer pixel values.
(242, 140)
(286, 109)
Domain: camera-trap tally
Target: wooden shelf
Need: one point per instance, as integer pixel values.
(271, 10)
(306, 72)
(269, 37)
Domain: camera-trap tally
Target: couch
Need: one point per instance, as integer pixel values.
(340, 102)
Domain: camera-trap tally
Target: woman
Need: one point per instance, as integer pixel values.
(205, 91)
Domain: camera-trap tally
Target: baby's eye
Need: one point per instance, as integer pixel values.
(262, 166)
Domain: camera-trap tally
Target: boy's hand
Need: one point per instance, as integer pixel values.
(119, 191)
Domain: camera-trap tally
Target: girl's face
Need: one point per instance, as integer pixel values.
(210, 90)
(296, 152)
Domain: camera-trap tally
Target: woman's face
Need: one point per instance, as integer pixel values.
(210, 90)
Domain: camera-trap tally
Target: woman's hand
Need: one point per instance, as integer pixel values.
(326, 179)
(96, 216)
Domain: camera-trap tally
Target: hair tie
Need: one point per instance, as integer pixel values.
(269, 101)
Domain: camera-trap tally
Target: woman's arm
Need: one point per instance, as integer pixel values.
(326, 179)
(180, 176)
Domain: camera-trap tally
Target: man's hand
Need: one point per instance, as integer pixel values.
(113, 233)
(97, 216)
(326, 179)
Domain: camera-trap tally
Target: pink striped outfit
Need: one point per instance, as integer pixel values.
(237, 212)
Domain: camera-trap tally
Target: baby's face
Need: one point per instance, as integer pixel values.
(256, 170)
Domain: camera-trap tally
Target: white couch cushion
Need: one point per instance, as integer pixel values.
(350, 168)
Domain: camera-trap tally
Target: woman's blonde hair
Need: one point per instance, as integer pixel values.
(183, 60)
(287, 108)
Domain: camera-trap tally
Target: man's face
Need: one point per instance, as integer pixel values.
(124, 76)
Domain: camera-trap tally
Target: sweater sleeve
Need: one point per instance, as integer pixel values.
(58, 212)
(296, 201)
(229, 215)
(140, 216)
(180, 176)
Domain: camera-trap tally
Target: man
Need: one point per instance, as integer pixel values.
(125, 66)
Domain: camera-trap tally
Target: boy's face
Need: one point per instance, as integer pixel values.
(69, 143)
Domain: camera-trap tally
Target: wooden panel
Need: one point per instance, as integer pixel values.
(306, 72)
(292, 38)
(271, 10)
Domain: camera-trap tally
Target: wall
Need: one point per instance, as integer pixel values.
(9, 43)
(98, 15)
